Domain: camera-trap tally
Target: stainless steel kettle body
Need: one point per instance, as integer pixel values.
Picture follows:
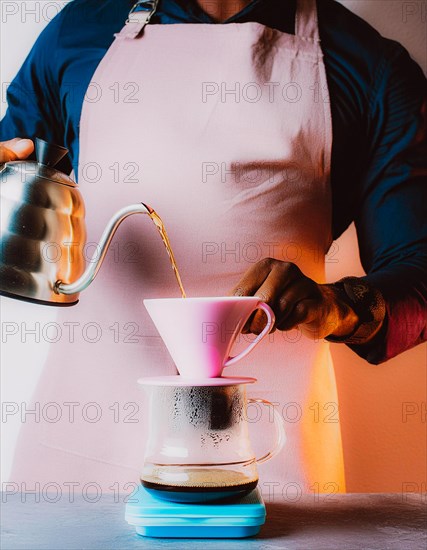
(43, 231)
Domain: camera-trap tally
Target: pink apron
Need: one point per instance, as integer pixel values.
(225, 130)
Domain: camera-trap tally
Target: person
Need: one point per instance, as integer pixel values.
(259, 130)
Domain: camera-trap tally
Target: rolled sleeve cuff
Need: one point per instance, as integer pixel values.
(369, 305)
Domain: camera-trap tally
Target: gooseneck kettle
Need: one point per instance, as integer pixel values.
(43, 232)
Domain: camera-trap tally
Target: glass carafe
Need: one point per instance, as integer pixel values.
(198, 447)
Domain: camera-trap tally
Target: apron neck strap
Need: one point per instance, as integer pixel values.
(306, 22)
(139, 15)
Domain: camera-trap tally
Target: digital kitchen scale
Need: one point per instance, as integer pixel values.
(153, 517)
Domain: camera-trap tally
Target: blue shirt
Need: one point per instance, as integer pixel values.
(379, 155)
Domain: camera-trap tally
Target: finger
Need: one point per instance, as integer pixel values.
(253, 278)
(303, 312)
(247, 327)
(251, 281)
(303, 289)
(283, 279)
(15, 149)
(269, 292)
(264, 280)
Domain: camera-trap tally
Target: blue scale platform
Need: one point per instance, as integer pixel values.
(153, 517)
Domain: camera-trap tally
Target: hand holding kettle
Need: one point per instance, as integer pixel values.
(15, 149)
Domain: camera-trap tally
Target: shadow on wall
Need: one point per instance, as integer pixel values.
(382, 407)
(401, 20)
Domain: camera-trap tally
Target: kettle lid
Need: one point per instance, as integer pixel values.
(48, 155)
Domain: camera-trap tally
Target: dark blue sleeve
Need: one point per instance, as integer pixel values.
(391, 219)
(33, 96)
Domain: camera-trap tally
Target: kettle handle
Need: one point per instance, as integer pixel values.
(279, 424)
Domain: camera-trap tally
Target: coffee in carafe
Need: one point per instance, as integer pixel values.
(201, 483)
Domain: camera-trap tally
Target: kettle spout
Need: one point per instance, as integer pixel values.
(90, 273)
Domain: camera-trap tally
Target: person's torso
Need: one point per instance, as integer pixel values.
(351, 47)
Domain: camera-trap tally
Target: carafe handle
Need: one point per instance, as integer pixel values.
(270, 322)
(280, 431)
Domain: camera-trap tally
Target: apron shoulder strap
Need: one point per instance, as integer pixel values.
(139, 15)
(306, 21)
